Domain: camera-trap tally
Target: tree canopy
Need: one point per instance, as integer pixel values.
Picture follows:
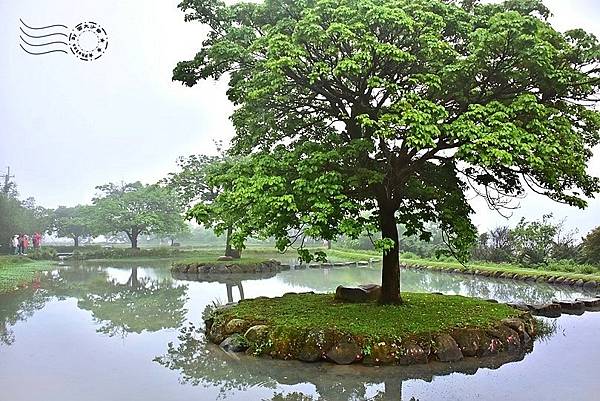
(352, 115)
(73, 222)
(199, 182)
(136, 209)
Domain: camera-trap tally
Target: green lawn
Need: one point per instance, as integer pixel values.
(17, 271)
(419, 314)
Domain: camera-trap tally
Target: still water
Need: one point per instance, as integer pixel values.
(130, 332)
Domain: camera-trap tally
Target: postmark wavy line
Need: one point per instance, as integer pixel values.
(43, 44)
(43, 36)
(42, 27)
(40, 53)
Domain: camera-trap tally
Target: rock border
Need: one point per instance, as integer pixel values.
(557, 308)
(554, 278)
(228, 267)
(510, 335)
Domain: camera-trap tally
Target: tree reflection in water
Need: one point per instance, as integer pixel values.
(18, 306)
(140, 304)
(201, 363)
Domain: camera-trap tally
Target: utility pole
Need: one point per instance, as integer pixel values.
(7, 178)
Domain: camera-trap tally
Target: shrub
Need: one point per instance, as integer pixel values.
(43, 253)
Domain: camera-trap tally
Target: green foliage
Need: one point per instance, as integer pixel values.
(43, 253)
(73, 222)
(136, 209)
(533, 240)
(84, 253)
(591, 246)
(351, 114)
(17, 216)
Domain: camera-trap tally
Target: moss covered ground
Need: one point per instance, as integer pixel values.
(419, 314)
(17, 271)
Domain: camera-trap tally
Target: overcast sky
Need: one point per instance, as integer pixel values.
(67, 125)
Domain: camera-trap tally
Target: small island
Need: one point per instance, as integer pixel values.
(227, 266)
(318, 327)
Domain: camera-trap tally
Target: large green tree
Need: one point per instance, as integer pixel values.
(199, 181)
(135, 209)
(73, 222)
(591, 246)
(362, 113)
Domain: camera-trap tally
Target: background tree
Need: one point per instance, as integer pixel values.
(73, 222)
(391, 108)
(591, 246)
(135, 209)
(200, 180)
(17, 216)
(495, 245)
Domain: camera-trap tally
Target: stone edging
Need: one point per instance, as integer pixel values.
(513, 335)
(556, 308)
(553, 278)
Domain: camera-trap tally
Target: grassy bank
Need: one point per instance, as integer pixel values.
(17, 271)
(571, 271)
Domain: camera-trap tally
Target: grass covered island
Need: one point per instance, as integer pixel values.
(208, 265)
(316, 327)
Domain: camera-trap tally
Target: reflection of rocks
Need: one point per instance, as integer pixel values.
(199, 362)
(228, 267)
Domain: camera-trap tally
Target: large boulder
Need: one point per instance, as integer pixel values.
(384, 352)
(224, 258)
(412, 353)
(235, 343)
(472, 342)
(344, 353)
(236, 326)
(362, 293)
(315, 346)
(509, 339)
(446, 349)
(257, 333)
(547, 310)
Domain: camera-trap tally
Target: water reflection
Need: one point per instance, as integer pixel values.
(201, 363)
(430, 281)
(16, 307)
(98, 308)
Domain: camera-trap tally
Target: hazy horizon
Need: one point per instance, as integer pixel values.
(70, 125)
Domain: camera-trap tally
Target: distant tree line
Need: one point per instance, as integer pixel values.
(129, 210)
(537, 242)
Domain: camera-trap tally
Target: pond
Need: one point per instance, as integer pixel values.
(125, 331)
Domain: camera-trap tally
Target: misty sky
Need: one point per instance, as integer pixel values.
(67, 125)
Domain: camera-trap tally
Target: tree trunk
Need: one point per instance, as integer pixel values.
(133, 237)
(390, 274)
(76, 239)
(228, 249)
